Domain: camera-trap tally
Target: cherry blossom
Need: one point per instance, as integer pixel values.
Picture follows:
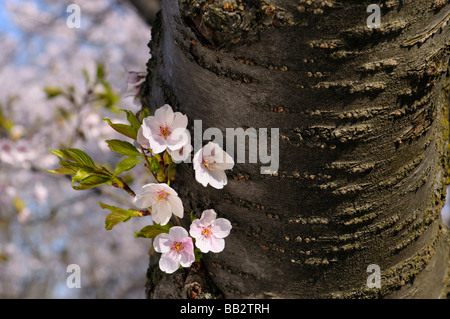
(210, 164)
(165, 130)
(142, 140)
(209, 232)
(184, 152)
(445, 212)
(176, 248)
(163, 200)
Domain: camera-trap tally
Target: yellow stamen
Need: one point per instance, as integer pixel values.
(161, 196)
(206, 231)
(177, 247)
(210, 164)
(164, 131)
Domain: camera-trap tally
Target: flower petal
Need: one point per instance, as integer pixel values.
(169, 262)
(195, 229)
(149, 126)
(217, 244)
(221, 228)
(223, 160)
(203, 243)
(157, 144)
(218, 178)
(164, 115)
(142, 140)
(182, 154)
(177, 139)
(179, 121)
(208, 216)
(201, 175)
(198, 157)
(176, 205)
(143, 200)
(166, 188)
(162, 243)
(187, 255)
(178, 233)
(161, 213)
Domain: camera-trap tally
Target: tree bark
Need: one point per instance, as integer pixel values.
(363, 119)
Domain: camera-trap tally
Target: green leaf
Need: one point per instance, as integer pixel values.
(126, 164)
(167, 158)
(123, 147)
(124, 129)
(161, 177)
(92, 181)
(75, 155)
(193, 217)
(154, 165)
(107, 98)
(100, 72)
(67, 168)
(132, 119)
(52, 92)
(152, 231)
(118, 215)
(197, 254)
(86, 75)
(145, 113)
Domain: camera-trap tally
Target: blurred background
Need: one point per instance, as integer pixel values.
(57, 84)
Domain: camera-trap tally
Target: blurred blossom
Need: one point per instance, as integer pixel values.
(40, 193)
(48, 227)
(23, 215)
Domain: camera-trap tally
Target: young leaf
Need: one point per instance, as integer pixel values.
(126, 164)
(52, 92)
(67, 168)
(161, 177)
(197, 254)
(92, 181)
(152, 231)
(118, 215)
(167, 158)
(123, 147)
(132, 119)
(100, 72)
(75, 155)
(193, 217)
(145, 113)
(154, 165)
(124, 129)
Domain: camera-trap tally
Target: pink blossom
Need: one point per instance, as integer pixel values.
(165, 130)
(184, 152)
(209, 232)
(163, 200)
(210, 164)
(176, 248)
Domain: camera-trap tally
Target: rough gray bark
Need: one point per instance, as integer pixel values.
(363, 150)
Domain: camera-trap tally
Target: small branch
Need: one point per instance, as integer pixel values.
(147, 163)
(122, 185)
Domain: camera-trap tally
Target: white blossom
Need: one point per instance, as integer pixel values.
(209, 232)
(162, 199)
(210, 164)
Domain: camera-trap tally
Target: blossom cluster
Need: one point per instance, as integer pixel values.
(166, 131)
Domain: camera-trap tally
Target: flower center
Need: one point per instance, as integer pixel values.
(177, 247)
(206, 231)
(210, 163)
(164, 131)
(161, 196)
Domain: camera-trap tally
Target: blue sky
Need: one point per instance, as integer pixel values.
(6, 25)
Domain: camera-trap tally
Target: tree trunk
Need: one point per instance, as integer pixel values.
(363, 125)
